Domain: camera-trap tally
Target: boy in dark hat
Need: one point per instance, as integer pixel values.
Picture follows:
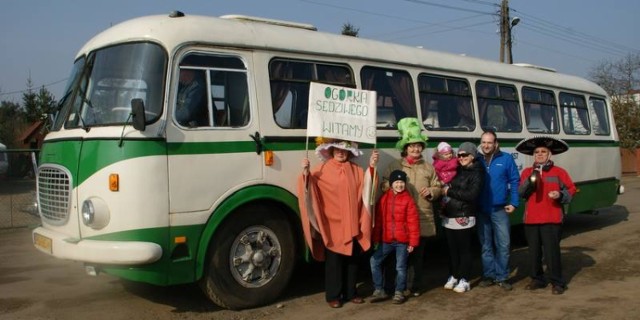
(396, 229)
(546, 188)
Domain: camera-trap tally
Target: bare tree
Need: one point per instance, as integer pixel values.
(621, 79)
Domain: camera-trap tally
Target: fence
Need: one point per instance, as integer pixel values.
(17, 190)
(17, 209)
(630, 161)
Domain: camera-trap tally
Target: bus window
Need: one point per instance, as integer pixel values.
(498, 107)
(575, 116)
(191, 103)
(109, 79)
(394, 93)
(446, 103)
(599, 119)
(229, 97)
(540, 110)
(212, 92)
(290, 88)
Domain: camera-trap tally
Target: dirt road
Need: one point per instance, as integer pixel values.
(601, 256)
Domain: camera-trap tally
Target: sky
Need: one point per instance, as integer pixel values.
(40, 38)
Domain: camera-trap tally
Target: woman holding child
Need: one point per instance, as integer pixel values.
(459, 215)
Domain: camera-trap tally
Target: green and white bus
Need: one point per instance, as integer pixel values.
(127, 189)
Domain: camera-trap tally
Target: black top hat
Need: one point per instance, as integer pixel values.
(527, 146)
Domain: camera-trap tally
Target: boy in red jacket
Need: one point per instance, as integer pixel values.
(396, 229)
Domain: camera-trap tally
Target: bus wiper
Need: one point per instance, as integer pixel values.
(84, 100)
(123, 127)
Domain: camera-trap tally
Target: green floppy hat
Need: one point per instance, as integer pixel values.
(410, 132)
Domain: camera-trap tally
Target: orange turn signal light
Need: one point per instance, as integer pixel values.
(268, 157)
(180, 239)
(114, 182)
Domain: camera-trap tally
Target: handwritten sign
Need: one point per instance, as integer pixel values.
(342, 113)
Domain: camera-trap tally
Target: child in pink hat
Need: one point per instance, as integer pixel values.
(445, 164)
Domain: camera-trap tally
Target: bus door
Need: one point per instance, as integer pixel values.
(210, 148)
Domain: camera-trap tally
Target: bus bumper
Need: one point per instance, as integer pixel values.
(95, 251)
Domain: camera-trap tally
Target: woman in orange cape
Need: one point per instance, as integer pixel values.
(335, 218)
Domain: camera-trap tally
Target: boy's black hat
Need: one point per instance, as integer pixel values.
(397, 175)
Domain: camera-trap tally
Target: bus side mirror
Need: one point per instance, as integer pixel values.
(137, 114)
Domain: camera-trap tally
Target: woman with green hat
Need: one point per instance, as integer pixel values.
(424, 187)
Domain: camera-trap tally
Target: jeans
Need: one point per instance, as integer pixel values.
(401, 264)
(494, 233)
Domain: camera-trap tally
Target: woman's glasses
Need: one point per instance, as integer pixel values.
(463, 155)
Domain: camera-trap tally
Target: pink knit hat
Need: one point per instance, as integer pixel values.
(444, 147)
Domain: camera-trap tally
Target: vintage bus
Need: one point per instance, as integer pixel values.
(130, 186)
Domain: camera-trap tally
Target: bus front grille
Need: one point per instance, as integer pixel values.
(54, 194)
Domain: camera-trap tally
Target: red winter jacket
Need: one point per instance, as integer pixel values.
(396, 219)
(540, 208)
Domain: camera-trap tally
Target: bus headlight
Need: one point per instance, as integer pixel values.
(95, 213)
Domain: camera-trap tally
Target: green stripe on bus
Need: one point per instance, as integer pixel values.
(100, 153)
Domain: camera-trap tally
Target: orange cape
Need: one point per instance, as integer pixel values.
(332, 208)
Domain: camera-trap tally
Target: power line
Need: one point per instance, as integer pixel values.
(27, 89)
(364, 11)
(444, 24)
(572, 39)
(551, 29)
(405, 19)
(428, 3)
(449, 28)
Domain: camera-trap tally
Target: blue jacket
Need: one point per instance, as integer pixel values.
(501, 173)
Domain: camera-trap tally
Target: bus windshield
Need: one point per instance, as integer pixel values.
(103, 84)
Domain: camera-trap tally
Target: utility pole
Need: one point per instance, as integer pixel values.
(505, 32)
(503, 27)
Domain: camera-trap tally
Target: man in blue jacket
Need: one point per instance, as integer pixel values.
(499, 198)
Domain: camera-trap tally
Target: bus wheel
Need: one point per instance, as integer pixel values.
(250, 259)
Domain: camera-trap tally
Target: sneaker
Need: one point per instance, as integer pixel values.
(535, 284)
(451, 282)
(506, 286)
(463, 286)
(486, 282)
(411, 293)
(398, 298)
(378, 295)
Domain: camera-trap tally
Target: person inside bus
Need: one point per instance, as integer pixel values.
(546, 188)
(336, 222)
(424, 187)
(465, 114)
(191, 106)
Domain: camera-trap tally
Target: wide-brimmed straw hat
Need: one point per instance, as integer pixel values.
(528, 145)
(324, 145)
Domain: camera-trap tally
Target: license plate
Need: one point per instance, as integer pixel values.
(42, 242)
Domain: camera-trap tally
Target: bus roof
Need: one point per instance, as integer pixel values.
(173, 31)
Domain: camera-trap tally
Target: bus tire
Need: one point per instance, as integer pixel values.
(250, 259)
